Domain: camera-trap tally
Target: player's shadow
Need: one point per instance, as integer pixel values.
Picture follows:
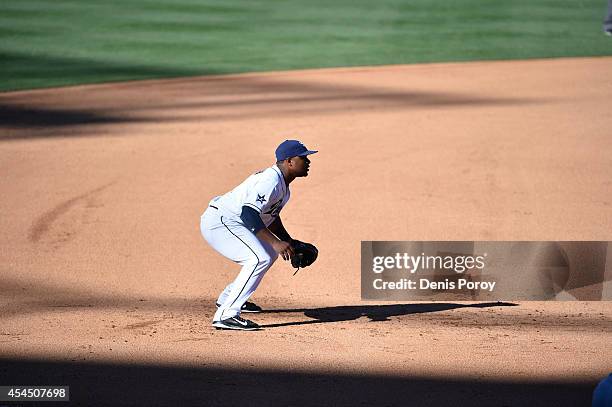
(373, 312)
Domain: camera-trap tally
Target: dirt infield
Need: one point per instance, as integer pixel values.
(105, 278)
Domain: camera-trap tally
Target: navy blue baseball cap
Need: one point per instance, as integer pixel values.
(292, 148)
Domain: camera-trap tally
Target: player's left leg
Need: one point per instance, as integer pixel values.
(233, 240)
(259, 257)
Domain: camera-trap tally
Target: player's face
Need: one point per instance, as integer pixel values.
(300, 166)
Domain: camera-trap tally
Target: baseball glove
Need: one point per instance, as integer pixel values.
(304, 254)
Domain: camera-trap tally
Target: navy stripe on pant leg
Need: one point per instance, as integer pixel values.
(237, 237)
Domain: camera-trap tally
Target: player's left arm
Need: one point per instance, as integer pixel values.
(279, 230)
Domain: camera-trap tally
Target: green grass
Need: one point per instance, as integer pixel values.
(47, 43)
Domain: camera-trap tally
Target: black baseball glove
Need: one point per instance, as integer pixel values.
(304, 254)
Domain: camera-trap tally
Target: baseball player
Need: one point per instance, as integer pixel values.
(244, 225)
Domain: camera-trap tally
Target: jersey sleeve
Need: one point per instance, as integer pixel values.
(261, 195)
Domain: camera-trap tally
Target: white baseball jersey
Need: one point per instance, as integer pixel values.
(264, 191)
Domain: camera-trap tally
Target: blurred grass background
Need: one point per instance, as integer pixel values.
(48, 43)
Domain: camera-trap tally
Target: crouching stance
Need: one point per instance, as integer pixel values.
(244, 225)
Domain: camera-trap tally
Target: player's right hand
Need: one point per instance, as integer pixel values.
(284, 249)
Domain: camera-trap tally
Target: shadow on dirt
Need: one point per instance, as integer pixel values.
(26, 117)
(34, 297)
(86, 110)
(374, 312)
(121, 384)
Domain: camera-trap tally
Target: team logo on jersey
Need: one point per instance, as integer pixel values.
(261, 198)
(275, 209)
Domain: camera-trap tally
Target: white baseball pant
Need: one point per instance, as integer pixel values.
(231, 238)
